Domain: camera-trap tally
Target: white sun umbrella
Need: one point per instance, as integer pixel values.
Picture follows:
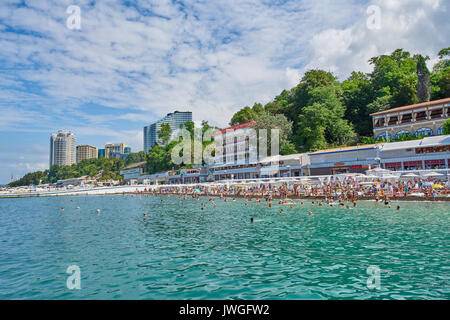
(370, 176)
(432, 174)
(389, 176)
(409, 175)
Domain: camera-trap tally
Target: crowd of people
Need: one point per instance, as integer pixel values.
(347, 189)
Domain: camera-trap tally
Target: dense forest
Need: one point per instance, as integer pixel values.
(324, 112)
(103, 169)
(318, 113)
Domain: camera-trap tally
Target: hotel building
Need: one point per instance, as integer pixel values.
(235, 157)
(232, 144)
(62, 149)
(174, 119)
(86, 152)
(114, 148)
(424, 118)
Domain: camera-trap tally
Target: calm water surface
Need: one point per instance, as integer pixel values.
(180, 252)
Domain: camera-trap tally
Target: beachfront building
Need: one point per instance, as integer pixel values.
(186, 176)
(134, 171)
(62, 149)
(174, 119)
(427, 153)
(112, 149)
(86, 152)
(274, 166)
(425, 118)
(101, 153)
(356, 159)
(232, 145)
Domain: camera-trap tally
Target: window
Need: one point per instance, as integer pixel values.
(424, 132)
(401, 133)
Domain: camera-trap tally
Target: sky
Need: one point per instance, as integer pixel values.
(132, 62)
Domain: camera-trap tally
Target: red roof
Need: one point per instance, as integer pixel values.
(236, 127)
(413, 106)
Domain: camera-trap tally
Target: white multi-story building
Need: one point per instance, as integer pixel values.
(233, 144)
(174, 119)
(62, 149)
(114, 148)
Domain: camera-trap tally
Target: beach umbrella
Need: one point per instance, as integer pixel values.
(389, 176)
(437, 186)
(432, 174)
(409, 175)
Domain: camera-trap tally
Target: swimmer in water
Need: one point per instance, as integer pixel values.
(98, 211)
(281, 210)
(398, 208)
(251, 219)
(145, 214)
(310, 213)
(62, 209)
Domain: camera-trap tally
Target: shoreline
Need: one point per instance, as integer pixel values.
(254, 196)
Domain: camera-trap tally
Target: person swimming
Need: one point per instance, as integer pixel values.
(398, 208)
(310, 213)
(98, 211)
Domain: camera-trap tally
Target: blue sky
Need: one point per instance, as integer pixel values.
(134, 61)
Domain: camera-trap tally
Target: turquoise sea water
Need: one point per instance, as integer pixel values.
(180, 252)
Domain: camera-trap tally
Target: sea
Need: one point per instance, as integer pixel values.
(160, 247)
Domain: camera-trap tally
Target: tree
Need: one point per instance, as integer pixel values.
(395, 75)
(247, 114)
(446, 127)
(135, 157)
(423, 75)
(164, 133)
(321, 121)
(357, 95)
(278, 121)
(380, 104)
(440, 77)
